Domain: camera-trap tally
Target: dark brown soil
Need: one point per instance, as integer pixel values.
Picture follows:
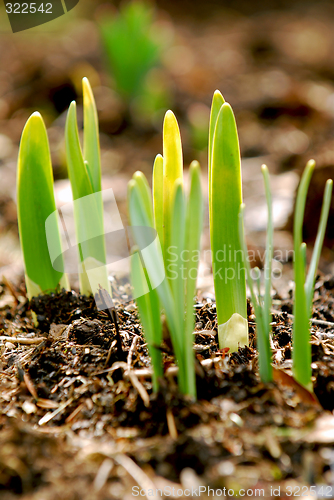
(77, 416)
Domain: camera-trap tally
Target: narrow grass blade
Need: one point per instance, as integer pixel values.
(87, 213)
(77, 170)
(35, 202)
(151, 252)
(269, 252)
(301, 352)
(177, 231)
(217, 102)
(226, 197)
(300, 205)
(172, 171)
(194, 223)
(147, 302)
(91, 136)
(304, 286)
(309, 286)
(176, 277)
(263, 342)
(157, 188)
(142, 184)
(153, 263)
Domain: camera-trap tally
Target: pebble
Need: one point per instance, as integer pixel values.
(29, 407)
(131, 307)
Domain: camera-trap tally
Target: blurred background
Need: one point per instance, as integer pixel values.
(272, 60)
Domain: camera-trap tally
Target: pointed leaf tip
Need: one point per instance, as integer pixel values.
(36, 114)
(218, 94)
(169, 114)
(87, 89)
(195, 164)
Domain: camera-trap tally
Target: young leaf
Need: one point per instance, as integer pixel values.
(217, 102)
(149, 312)
(91, 136)
(88, 212)
(194, 223)
(172, 171)
(301, 354)
(157, 188)
(35, 202)
(309, 286)
(226, 197)
(261, 313)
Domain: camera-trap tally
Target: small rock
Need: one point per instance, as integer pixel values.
(29, 407)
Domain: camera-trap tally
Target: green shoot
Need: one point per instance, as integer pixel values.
(35, 203)
(149, 312)
(85, 176)
(304, 285)
(225, 197)
(130, 47)
(157, 188)
(172, 172)
(262, 306)
(176, 294)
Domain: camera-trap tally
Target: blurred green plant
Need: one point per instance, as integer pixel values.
(84, 171)
(225, 197)
(304, 284)
(133, 50)
(35, 203)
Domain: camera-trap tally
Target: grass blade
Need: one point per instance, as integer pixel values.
(87, 213)
(77, 170)
(261, 314)
(194, 223)
(304, 286)
(91, 136)
(226, 197)
(142, 184)
(35, 203)
(301, 352)
(217, 102)
(309, 286)
(269, 252)
(149, 312)
(172, 171)
(300, 205)
(157, 188)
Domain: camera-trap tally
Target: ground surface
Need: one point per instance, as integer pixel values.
(78, 416)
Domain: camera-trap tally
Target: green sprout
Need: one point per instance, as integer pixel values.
(304, 284)
(85, 176)
(147, 298)
(172, 173)
(262, 305)
(130, 47)
(35, 203)
(175, 294)
(225, 197)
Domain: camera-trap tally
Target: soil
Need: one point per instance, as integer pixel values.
(79, 419)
